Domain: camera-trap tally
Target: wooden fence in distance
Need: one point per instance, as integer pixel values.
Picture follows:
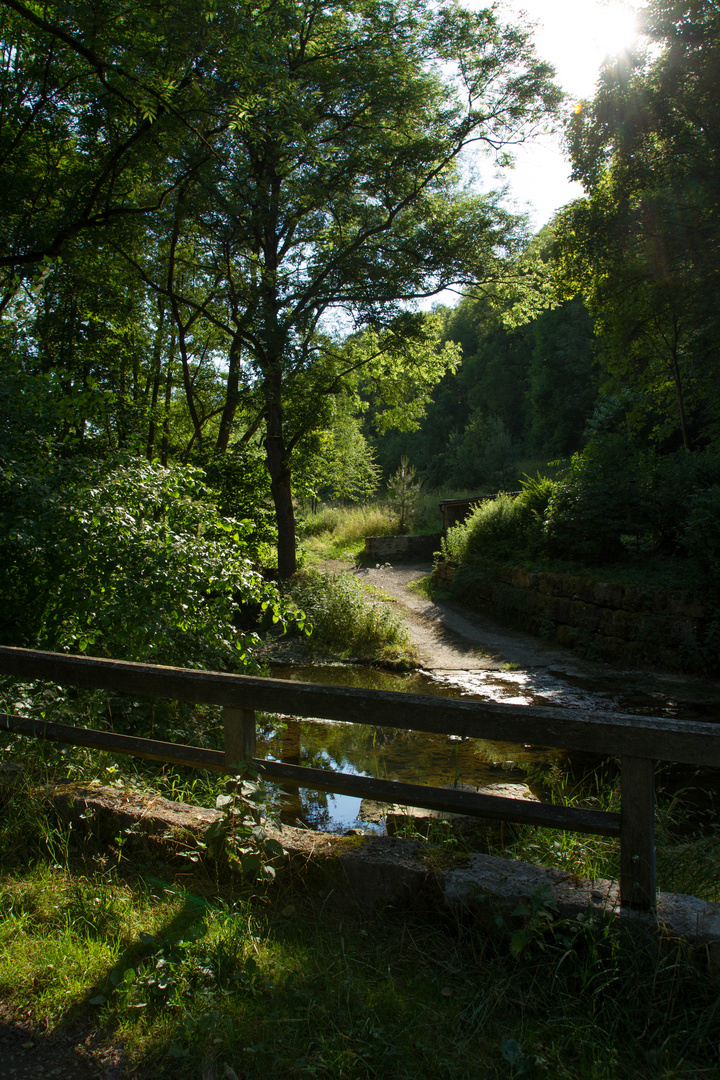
(638, 741)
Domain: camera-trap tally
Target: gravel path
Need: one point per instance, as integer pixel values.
(449, 637)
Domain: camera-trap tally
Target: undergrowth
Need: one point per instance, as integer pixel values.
(339, 532)
(349, 620)
(190, 977)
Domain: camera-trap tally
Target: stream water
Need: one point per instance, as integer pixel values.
(417, 757)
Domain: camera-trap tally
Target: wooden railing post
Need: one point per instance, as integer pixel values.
(239, 727)
(637, 833)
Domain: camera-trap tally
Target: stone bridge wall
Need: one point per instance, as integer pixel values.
(388, 548)
(626, 624)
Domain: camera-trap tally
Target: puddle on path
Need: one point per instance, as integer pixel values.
(417, 757)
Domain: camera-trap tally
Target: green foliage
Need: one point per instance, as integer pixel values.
(163, 966)
(562, 378)
(403, 492)
(240, 487)
(127, 560)
(702, 536)
(499, 528)
(537, 492)
(339, 532)
(614, 495)
(349, 471)
(614, 501)
(594, 505)
(346, 619)
(210, 225)
(638, 246)
(520, 389)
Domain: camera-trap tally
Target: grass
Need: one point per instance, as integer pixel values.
(192, 979)
(191, 974)
(339, 532)
(350, 620)
(334, 532)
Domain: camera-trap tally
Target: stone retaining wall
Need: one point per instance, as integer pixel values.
(622, 623)
(389, 548)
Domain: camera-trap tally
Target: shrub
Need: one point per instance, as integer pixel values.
(240, 485)
(613, 495)
(594, 505)
(345, 620)
(127, 560)
(497, 529)
(702, 532)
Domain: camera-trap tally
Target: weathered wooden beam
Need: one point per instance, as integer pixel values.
(638, 883)
(240, 734)
(570, 818)
(196, 757)
(614, 734)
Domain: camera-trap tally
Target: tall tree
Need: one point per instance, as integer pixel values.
(338, 193)
(645, 245)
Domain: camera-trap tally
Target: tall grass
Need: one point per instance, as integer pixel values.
(348, 620)
(340, 530)
(349, 523)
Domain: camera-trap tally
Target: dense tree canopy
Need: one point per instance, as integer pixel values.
(262, 171)
(644, 245)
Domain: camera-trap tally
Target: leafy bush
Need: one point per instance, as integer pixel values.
(537, 492)
(613, 496)
(702, 533)
(240, 485)
(345, 620)
(497, 529)
(127, 560)
(594, 505)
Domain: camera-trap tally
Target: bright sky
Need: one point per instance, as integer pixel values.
(575, 36)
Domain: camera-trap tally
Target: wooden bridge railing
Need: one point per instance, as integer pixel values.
(637, 740)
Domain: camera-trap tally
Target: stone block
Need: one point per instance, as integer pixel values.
(548, 583)
(522, 579)
(616, 622)
(559, 609)
(586, 616)
(635, 598)
(686, 606)
(608, 594)
(682, 631)
(567, 635)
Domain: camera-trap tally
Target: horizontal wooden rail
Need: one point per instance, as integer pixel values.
(639, 741)
(610, 734)
(365, 787)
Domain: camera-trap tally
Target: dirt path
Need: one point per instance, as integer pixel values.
(450, 640)
(449, 637)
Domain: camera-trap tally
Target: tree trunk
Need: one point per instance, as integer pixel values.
(232, 398)
(165, 447)
(280, 478)
(156, 374)
(680, 401)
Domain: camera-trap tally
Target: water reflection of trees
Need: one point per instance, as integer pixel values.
(392, 753)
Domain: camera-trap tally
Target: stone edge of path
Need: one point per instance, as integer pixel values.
(370, 872)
